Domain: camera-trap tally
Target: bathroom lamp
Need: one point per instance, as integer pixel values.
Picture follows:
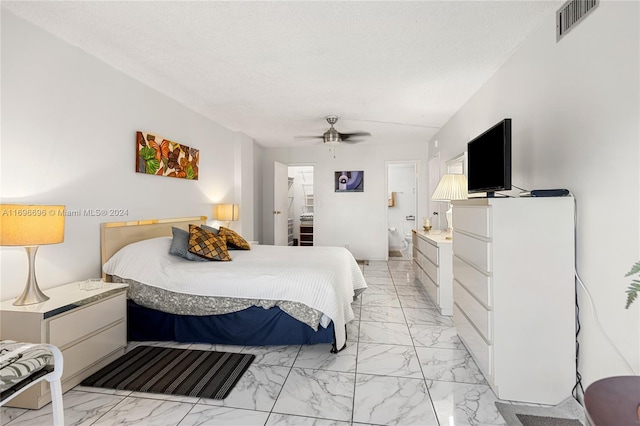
(31, 226)
(451, 187)
(226, 212)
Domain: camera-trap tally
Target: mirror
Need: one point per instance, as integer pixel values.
(458, 164)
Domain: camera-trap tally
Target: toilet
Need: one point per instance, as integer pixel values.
(408, 236)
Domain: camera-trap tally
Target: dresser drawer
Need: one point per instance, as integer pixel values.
(481, 351)
(474, 311)
(80, 356)
(431, 270)
(430, 287)
(421, 244)
(473, 250)
(476, 282)
(431, 253)
(475, 220)
(75, 325)
(429, 249)
(420, 276)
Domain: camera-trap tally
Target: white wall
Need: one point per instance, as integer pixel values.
(575, 110)
(68, 137)
(258, 199)
(356, 219)
(244, 192)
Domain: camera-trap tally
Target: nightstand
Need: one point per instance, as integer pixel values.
(88, 326)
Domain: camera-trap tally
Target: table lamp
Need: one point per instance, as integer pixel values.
(226, 212)
(31, 226)
(451, 187)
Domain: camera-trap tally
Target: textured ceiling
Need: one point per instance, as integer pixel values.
(273, 70)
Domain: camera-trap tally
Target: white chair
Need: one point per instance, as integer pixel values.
(53, 376)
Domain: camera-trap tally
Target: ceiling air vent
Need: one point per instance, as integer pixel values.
(571, 13)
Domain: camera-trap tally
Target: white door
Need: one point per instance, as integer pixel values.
(280, 203)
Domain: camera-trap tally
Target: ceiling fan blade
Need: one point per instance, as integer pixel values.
(352, 140)
(346, 136)
(308, 137)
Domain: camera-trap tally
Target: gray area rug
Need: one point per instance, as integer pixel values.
(173, 371)
(395, 253)
(568, 413)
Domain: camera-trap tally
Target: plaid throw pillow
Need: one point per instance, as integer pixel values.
(206, 244)
(234, 239)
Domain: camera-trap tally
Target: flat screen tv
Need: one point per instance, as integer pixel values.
(489, 160)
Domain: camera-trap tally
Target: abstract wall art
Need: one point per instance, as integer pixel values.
(158, 156)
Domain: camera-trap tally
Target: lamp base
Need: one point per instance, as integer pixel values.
(32, 293)
(449, 215)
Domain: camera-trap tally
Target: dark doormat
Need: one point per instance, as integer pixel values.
(173, 371)
(568, 413)
(395, 253)
(529, 420)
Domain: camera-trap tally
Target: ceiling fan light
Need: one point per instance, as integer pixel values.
(332, 136)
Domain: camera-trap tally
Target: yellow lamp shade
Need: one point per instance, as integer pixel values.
(226, 212)
(31, 225)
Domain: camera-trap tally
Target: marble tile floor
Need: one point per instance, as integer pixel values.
(404, 365)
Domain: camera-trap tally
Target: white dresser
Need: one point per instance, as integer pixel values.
(88, 326)
(432, 261)
(514, 293)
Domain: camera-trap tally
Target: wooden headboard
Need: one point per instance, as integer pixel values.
(115, 235)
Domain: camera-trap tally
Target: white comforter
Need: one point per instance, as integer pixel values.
(323, 278)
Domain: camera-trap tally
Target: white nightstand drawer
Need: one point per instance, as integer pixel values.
(474, 311)
(476, 282)
(78, 323)
(475, 220)
(473, 250)
(80, 356)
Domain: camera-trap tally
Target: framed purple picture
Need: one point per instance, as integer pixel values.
(349, 181)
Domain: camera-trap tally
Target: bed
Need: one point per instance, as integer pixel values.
(268, 295)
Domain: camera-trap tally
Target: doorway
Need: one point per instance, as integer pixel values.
(402, 208)
(301, 205)
(293, 205)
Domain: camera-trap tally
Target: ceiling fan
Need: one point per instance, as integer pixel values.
(332, 136)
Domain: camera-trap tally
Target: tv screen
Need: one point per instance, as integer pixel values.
(489, 160)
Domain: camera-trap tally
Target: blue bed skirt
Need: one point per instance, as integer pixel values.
(253, 326)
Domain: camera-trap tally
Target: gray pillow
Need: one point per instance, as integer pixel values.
(180, 245)
(214, 231)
